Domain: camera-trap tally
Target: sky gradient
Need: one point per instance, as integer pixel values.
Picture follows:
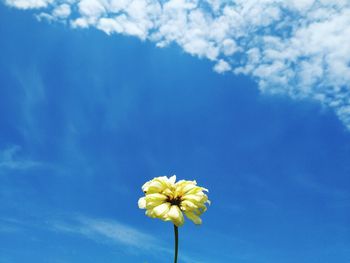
(87, 118)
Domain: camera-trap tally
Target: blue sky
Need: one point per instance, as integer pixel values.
(86, 118)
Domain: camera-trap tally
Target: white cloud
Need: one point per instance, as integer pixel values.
(309, 182)
(62, 11)
(103, 229)
(91, 8)
(9, 160)
(295, 47)
(222, 66)
(28, 4)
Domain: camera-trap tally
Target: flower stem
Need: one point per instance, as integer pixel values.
(176, 232)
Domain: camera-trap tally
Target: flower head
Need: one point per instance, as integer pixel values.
(167, 200)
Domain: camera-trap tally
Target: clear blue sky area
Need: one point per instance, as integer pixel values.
(86, 119)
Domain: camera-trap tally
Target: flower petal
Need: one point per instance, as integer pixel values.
(172, 179)
(188, 187)
(150, 213)
(195, 219)
(145, 186)
(176, 215)
(162, 209)
(155, 197)
(153, 204)
(193, 198)
(155, 186)
(142, 203)
(188, 205)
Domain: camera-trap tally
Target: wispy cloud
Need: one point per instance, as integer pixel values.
(310, 183)
(8, 229)
(10, 225)
(112, 232)
(295, 47)
(10, 160)
(107, 230)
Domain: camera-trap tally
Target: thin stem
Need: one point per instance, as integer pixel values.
(176, 232)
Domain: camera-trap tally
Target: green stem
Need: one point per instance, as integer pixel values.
(176, 232)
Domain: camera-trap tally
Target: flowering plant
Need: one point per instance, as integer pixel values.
(168, 200)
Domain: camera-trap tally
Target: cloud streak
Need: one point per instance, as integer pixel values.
(99, 230)
(310, 183)
(9, 160)
(299, 48)
(106, 230)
